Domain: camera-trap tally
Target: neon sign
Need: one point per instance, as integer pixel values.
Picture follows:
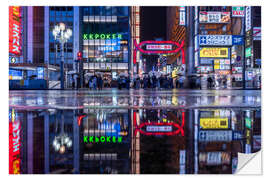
(14, 145)
(101, 36)
(15, 30)
(102, 139)
(180, 47)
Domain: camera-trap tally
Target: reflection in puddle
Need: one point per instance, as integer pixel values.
(131, 141)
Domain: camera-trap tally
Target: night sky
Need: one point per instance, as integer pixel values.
(153, 22)
(153, 25)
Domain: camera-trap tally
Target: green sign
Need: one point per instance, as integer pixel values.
(248, 52)
(102, 139)
(101, 36)
(238, 11)
(248, 123)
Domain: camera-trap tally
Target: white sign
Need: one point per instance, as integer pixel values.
(158, 128)
(248, 18)
(182, 15)
(159, 47)
(182, 18)
(211, 135)
(214, 17)
(215, 40)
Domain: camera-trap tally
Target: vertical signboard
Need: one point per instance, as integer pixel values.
(15, 30)
(248, 18)
(14, 143)
(182, 16)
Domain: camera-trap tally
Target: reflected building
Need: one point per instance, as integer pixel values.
(131, 141)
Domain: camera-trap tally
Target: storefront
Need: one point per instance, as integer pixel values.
(105, 40)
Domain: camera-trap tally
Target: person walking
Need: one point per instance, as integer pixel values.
(94, 83)
(225, 82)
(145, 81)
(127, 82)
(198, 82)
(209, 82)
(99, 82)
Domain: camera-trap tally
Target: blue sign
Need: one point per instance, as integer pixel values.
(237, 40)
(40, 72)
(215, 40)
(15, 73)
(220, 40)
(258, 62)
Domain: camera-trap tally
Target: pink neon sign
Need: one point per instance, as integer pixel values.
(158, 45)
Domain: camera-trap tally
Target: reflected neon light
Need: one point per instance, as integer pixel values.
(158, 125)
(102, 139)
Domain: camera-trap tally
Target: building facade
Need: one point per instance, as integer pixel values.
(221, 42)
(101, 34)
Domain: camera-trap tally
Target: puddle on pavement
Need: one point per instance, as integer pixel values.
(131, 141)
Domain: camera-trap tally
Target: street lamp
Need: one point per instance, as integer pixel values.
(62, 34)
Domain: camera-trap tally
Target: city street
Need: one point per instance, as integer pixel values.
(133, 89)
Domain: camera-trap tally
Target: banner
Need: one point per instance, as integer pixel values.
(214, 52)
(214, 17)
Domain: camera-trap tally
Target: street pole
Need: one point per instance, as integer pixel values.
(62, 66)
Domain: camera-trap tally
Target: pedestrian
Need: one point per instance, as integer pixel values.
(99, 82)
(209, 82)
(145, 81)
(154, 80)
(73, 82)
(90, 83)
(158, 82)
(170, 82)
(94, 83)
(181, 82)
(127, 82)
(225, 82)
(138, 82)
(233, 82)
(198, 82)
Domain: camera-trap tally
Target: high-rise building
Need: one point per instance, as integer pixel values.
(102, 34)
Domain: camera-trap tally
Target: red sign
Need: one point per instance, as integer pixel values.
(15, 30)
(14, 147)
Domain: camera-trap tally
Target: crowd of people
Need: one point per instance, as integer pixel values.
(98, 82)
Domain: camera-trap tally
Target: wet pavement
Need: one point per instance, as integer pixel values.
(186, 99)
(132, 132)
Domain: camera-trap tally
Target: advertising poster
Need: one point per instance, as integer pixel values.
(213, 52)
(214, 17)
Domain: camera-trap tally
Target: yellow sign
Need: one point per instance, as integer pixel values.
(214, 52)
(214, 123)
(216, 66)
(216, 61)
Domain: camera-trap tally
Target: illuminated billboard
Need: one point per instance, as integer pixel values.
(214, 123)
(214, 17)
(214, 52)
(15, 36)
